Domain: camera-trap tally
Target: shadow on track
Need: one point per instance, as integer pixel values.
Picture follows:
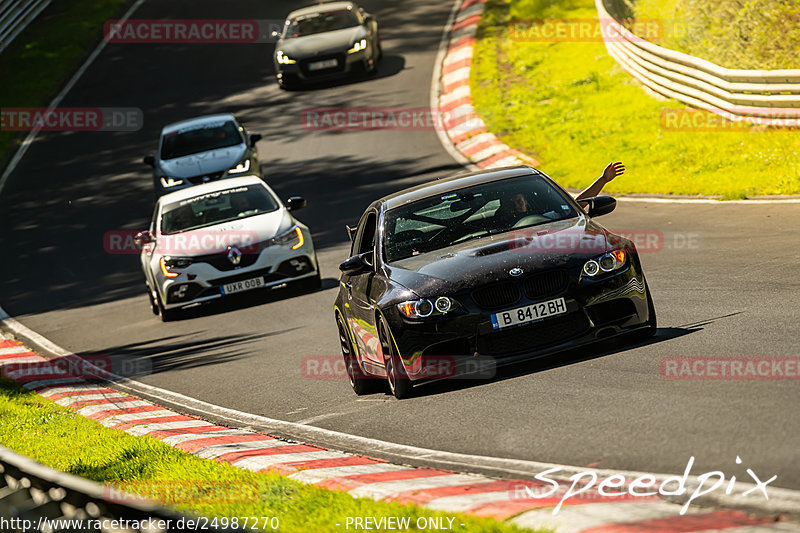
(175, 352)
(605, 348)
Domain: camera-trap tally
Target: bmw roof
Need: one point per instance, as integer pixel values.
(213, 186)
(459, 181)
(196, 121)
(320, 8)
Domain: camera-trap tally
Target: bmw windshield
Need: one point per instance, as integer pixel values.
(473, 212)
(216, 208)
(202, 138)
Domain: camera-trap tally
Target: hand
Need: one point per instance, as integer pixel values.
(613, 170)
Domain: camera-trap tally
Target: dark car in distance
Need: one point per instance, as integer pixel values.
(326, 41)
(501, 264)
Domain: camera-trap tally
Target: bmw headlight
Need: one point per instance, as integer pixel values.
(283, 59)
(426, 307)
(294, 236)
(605, 263)
(358, 46)
(170, 264)
(167, 182)
(244, 166)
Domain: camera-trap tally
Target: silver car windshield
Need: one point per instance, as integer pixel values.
(195, 139)
(320, 23)
(216, 208)
(473, 212)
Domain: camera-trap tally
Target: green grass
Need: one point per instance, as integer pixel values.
(40, 60)
(569, 105)
(754, 34)
(62, 439)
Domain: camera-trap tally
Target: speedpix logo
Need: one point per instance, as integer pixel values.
(590, 485)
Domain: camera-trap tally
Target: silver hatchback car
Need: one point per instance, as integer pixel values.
(203, 149)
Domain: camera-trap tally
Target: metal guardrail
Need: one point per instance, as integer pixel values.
(34, 497)
(15, 15)
(769, 97)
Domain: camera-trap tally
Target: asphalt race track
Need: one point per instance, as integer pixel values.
(723, 281)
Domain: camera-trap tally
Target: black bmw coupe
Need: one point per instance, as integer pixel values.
(501, 265)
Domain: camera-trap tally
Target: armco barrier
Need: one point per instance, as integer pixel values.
(15, 15)
(769, 97)
(34, 497)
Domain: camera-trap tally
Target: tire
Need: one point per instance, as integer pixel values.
(400, 385)
(362, 384)
(287, 85)
(153, 303)
(167, 315)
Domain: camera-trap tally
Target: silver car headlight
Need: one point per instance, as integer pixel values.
(358, 46)
(243, 166)
(168, 182)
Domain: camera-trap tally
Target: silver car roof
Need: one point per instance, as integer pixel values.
(196, 121)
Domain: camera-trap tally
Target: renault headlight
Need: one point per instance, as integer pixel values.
(169, 265)
(294, 236)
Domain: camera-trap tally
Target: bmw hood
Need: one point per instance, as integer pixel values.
(245, 234)
(204, 162)
(321, 43)
(560, 244)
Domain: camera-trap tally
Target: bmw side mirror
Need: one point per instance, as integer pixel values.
(356, 264)
(600, 205)
(149, 160)
(295, 202)
(254, 138)
(143, 237)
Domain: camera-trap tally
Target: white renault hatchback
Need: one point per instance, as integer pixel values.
(223, 238)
